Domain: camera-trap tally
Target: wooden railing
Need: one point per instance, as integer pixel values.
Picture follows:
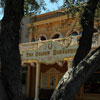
(64, 41)
(37, 44)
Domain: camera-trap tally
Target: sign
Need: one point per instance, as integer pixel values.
(50, 53)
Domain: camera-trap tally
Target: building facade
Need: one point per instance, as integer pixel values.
(49, 53)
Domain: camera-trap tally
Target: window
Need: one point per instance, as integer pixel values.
(56, 36)
(93, 84)
(33, 40)
(52, 83)
(74, 34)
(42, 38)
(44, 81)
(59, 77)
(50, 78)
(80, 33)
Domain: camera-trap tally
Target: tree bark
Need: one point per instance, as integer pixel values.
(9, 41)
(3, 95)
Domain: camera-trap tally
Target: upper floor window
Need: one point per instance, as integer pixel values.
(42, 38)
(56, 36)
(33, 40)
(80, 33)
(74, 34)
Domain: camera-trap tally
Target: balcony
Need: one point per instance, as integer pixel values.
(64, 41)
(37, 44)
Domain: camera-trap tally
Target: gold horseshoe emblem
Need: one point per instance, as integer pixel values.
(50, 46)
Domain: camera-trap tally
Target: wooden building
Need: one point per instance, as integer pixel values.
(49, 54)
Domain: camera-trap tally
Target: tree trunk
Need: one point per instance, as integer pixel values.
(9, 41)
(3, 95)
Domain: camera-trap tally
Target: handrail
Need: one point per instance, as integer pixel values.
(64, 41)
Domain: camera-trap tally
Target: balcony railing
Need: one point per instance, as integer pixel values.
(64, 41)
(37, 44)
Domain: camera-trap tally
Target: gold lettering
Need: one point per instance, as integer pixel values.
(29, 54)
(42, 53)
(54, 52)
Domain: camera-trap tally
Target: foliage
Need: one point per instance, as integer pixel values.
(33, 6)
(29, 6)
(2, 3)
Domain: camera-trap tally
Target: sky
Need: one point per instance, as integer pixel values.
(54, 6)
(1, 14)
(50, 7)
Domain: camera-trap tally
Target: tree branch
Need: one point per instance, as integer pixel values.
(67, 88)
(87, 22)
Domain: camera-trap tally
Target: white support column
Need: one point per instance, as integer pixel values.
(37, 82)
